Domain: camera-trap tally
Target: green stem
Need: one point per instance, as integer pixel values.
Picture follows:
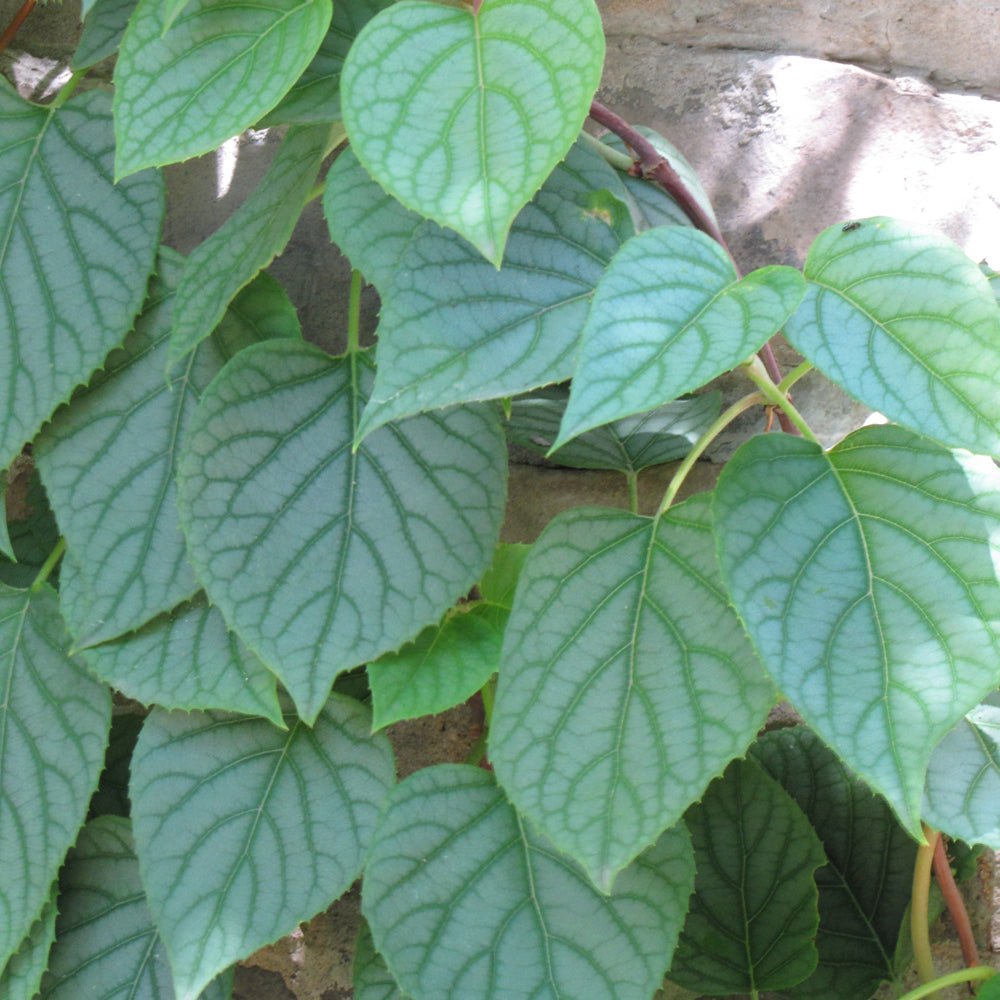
(476, 752)
(489, 693)
(617, 159)
(54, 556)
(720, 424)
(757, 373)
(317, 192)
(952, 979)
(67, 90)
(794, 375)
(632, 478)
(354, 312)
(918, 907)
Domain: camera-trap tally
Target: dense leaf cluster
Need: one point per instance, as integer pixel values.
(242, 519)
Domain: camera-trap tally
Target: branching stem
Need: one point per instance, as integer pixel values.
(757, 373)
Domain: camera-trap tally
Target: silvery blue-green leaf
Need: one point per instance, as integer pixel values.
(315, 97)
(322, 558)
(31, 539)
(54, 722)
(187, 659)
(753, 915)
(60, 217)
(907, 324)
(626, 682)
(465, 899)
(867, 881)
(462, 112)
(108, 464)
(103, 29)
(866, 578)
(669, 315)
(455, 329)
(962, 796)
(106, 942)
(221, 66)
(20, 978)
(448, 662)
(631, 444)
(244, 830)
(246, 242)
(371, 979)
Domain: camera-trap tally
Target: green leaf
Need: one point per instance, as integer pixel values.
(449, 662)
(243, 830)
(629, 445)
(61, 217)
(20, 978)
(454, 329)
(866, 883)
(187, 659)
(992, 279)
(866, 580)
(371, 979)
(248, 241)
(183, 92)
(103, 30)
(107, 944)
(907, 324)
(108, 461)
(316, 94)
(319, 557)
(32, 538)
(462, 113)
(753, 915)
(54, 723)
(465, 900)
(990, 990)
(626, 682)
(669, 315)
(962, 796)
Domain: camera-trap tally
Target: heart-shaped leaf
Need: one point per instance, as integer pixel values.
(319, 557)
(669, 315)
(907, 324)
(866, 580)
(107, 943)
(21, 977)
(243, 830)
(60, 214)
(465, 900)
(753, 915)
(183, 92)
(108, 464)
(462, 112)
(866, 883)
(626, 682)
(453, 329)
(54, 722)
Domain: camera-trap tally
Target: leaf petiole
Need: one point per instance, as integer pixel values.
(980, 972)
(918, 907)
(50, 563)
(757, 373)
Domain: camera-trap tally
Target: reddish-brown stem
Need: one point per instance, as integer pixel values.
(956, 905)
(15, 25)
(654, 166)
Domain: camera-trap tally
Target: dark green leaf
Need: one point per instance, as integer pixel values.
(103, 30)
(372, 980)
(20, 978)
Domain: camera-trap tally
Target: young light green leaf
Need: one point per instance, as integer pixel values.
(371, 978)
(108, 462)
(107, 944)
(449, 662)
(907, 324)
(60, 214)
(54, 722)
(103, 29)
(462, 112)
(183, 92)
(319, 557)
(187, 659)
(453, 329)
(866, 580)
(246, 242)
(20, 978)
(962, 796)
(626, 682)
(669, 315)
(629, 445)
(753, 915)
(243, 830)
(465, 900)
(316, 94)
(866, 883)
